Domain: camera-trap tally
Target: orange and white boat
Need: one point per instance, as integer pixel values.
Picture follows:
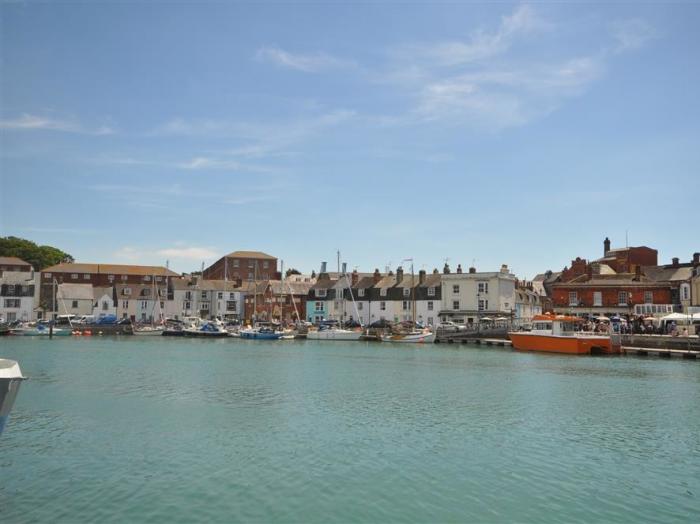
(561, 334)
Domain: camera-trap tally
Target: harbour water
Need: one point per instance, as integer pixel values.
(169, 430)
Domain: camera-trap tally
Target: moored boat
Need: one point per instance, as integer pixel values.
(562, 334)
(10, 380)
(413, 337)
(261, 333)
(149, 330)
(39, 330)
(206, 330)
(334, 333)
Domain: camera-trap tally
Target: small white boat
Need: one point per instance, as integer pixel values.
(414, 337)
(149, 330)
(39, 330)
(334, 334)
(10, 380)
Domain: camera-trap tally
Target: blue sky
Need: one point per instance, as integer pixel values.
(497, 133)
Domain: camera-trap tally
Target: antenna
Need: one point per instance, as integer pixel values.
(627, 244)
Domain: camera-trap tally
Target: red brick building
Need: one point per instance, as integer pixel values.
(613, 284)
(274, 300)
(242, 266)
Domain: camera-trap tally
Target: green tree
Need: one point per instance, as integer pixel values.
(39, 257)
(292, 271)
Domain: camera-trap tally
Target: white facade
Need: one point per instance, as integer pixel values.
(74, 299)
(466, 297)
(205, 298)
(103, 304)
(17, 299)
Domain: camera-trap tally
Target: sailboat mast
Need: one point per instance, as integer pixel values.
(413, 295)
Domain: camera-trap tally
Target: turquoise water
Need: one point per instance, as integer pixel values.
(172, 430)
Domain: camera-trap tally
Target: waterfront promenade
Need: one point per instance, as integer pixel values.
(165, 430)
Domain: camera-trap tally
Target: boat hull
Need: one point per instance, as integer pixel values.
(332, 334)
(254, 335)
(149, 333)
(411, 338)
(10, 380)
(576, 345)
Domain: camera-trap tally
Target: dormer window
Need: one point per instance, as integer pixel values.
(126, 291)
(47, 275)
(147, 278)
(86, 276)
(382, 292)
(406, 291)
(431, 291)
(321, 293)
(74, 276)
(361, 292)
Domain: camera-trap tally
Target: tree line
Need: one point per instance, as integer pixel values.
(39, 257)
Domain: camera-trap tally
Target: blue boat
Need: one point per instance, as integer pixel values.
(10, 380)
(207, 330)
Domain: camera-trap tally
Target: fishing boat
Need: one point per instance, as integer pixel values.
(10, 380)
(149, 330)
(334, 333)
(562, 334)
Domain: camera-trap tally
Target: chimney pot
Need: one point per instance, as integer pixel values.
(675, 261)
(377, 276)
(472, 270)
(421, 276)
(446, 269)
(696, 258)
(606, 246)
(459, 268)
(399, 274)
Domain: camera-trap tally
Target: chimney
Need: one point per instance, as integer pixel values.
(354, 278)
(696, 259)
(446, 269)
(435, 271)
(345, 268)
(459, 268)
(675, 261)
(472, 270)
(606, 246)
(421, 276)
(323, 267)
(377, 276)
(504, 268)
(637, 272)
(399, 274)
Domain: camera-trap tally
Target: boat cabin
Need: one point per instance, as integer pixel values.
(560, 325)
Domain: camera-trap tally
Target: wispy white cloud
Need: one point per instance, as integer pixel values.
(27, 122)
(632, 34)
(188, 253)
(308, 63)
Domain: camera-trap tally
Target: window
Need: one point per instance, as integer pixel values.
(47, 275)
(188, 295)
(430, 321)
(319, 305)
(158, 279)
(187, 305)
(231, 305)
(125, 277)
(406, 292)
(204, 295)
(11, 302)
(74, 305)
(204, 306)
(382, 292)
(406, 305)
(382, 306)
(359, 306)
(236, 263)
(250, 264)
(162, 305)
(483, 305)
(86, 276)
(144, 304)
(455, 289)
(648, 297)
(74, 276)
(361, 292)
(105, 305)
(431, 291)
(147, 278)
(483, 287)
(597, 298)
(10, 289)
(125, 304)
(219, 295)
(455, 304)
(232, 296)
(126, 291)
(685, 292)
(430, 306)
(622, 298)
(573, 298)
(250, 276)
(146, 292)
(266, 264)
(321, 293)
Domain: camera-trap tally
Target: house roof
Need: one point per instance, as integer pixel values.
(74, 292)
(432, 280)
(364, 283)
(668, 273)
(13, 261)
(112, 269)
(250, 254)
(324, 283)
(297, 288)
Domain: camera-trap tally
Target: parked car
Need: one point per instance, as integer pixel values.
(448, 325)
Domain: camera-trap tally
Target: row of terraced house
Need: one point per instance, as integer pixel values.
(248, 285)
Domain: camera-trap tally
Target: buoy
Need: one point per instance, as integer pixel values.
(87, 332)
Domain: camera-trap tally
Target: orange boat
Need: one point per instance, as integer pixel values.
(561, 334)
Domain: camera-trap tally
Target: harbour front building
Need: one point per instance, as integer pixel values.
(129, 283)
(471, 297)
(193, 296)
(275, 300)
(242, 266)
(17, 290)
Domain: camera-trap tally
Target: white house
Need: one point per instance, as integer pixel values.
(17, 295)
(469, 297)
(74, 299)
(104, 303)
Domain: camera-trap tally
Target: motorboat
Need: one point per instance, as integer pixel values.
(424, 336)
(39, 330)
(334, 333)
(10, 380)
(149, 330)
(562, 334)
(260, 333)
(209, 329)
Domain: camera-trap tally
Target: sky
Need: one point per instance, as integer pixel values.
(477, 133)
